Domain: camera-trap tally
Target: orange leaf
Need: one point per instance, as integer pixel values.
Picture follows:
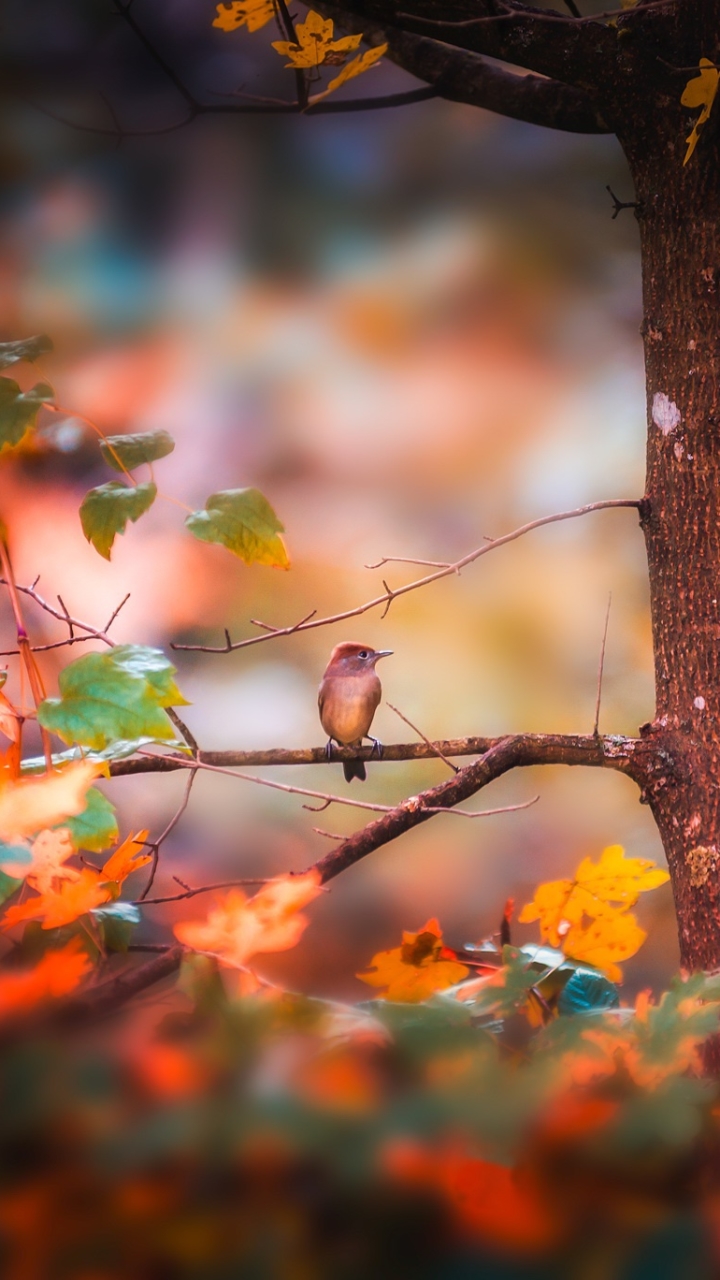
(61, 906)
(412, 972)
(36, 803)
(240, 927)
(58, 973)
(128, 857)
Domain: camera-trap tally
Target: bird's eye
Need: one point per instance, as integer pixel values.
(363, 653)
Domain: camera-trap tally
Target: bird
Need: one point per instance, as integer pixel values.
(348, 698)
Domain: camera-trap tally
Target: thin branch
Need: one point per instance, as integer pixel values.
(155, 845)
(333, 799)
(289, 29)
(192, 893)
(389, 595)
(183, 730)
(420, 734)
(62, 615)
(601, 666)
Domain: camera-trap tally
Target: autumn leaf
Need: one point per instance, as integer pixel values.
(240, 927)
(128, 857)
(413, 971)
(243, 521)
(107, 697)
(105, 511)
(588, 917)
(96, 827)
(57, 907)
(355, 68)
(49, 853)
(56, 974)
(124, 453)
(314, 42)
(32, 804)
(19, 409)
(252, 14)
(700, 92)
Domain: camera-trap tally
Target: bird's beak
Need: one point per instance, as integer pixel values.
(383, 653)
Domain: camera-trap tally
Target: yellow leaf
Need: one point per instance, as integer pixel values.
(605, 942)
(128, 857)
(314, 42)
(412, 972)
(252, 14)
(36, 803)
(589, 917)
(700, 92)
(240, 927)
(355, 68)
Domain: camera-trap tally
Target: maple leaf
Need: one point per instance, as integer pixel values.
(362, 63)
(252, 14)
(56, 974)
(61, 906)
(413, 971)
(33, 804)
(128, 857)
(700, 92)
(314, 42)
(240, 927)
(50, 851)
(588, 917)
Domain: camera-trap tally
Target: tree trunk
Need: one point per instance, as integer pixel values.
(679, 218)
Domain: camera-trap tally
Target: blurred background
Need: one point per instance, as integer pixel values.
(410, 329)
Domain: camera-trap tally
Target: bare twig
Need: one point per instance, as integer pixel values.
(332, 799)
(596, 725)
(155, 845)
(619, 205)
(420, 734)
(183, 730)
(62, 615)
(192, 893)
(389, 594)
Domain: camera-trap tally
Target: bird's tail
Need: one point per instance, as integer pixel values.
(354, 769)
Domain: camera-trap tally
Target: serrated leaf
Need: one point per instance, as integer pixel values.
(111, 696)
(25, 349)
(124, 453)
(314, 42)
(106, 510)
(243, 521)
(240, 13)
(19, 409)
(362, 63)
(585, 992)
(413, 971)
(96, 827)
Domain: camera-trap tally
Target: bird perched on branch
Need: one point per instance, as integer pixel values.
(349, 694)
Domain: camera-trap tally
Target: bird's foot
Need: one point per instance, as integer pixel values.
(377, 745)
(329, 748)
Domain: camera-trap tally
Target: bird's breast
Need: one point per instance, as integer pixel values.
(347, 706)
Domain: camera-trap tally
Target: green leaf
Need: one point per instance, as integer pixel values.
(106, 510)
(8, 885)
(25, 349)
(243, 521)
(586, 991)
(117, 922)
(96, 827)
(106, 697)
(133, 451)
(18, 409)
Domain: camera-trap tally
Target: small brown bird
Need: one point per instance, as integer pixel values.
(349, 694)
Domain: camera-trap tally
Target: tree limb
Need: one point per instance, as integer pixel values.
(536, 743)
